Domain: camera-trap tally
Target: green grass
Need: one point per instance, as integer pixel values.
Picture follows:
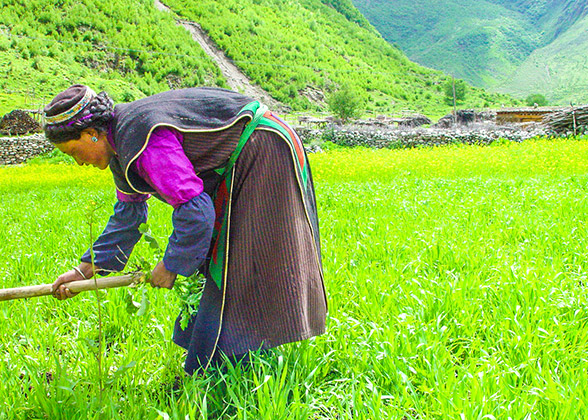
(456, 282)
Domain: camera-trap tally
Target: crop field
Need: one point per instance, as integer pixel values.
(456, 280)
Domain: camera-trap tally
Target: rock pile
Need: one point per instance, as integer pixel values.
(15, 150)
(414, 121)
(465, 117)
(17, 123)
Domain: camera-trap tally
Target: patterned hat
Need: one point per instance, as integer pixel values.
(68, 104)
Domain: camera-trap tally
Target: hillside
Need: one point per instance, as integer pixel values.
(293, 49)
(478, 43)
(491, 43)
(558, 68)
(550, 18)
(131, 49)
(127, 47)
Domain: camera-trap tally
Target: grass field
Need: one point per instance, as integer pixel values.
(456, 280)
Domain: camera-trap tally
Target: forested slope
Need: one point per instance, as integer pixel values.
(297, 51)
(478, 41)
(558, 69)
(294, 48)
(491, 43)
(126, 47)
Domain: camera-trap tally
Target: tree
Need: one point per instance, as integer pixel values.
(536, 98)
(345, 103)
(460, 90)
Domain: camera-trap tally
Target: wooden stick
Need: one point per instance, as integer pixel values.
(74, 286)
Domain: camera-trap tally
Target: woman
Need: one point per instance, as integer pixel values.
(244, 210)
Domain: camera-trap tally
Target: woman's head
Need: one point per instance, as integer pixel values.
(75, 109)
(76, 121)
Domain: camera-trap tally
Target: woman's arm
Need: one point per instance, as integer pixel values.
(112, 248)
(190, 240)
(164, 165)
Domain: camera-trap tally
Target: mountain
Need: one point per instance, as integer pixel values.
(558, 69)
(298, 51)
(494, 44)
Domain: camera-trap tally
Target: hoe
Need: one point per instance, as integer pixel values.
(74, 286)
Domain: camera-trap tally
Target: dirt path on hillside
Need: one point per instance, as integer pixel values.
(236, 80)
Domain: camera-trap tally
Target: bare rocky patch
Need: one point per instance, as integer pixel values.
(236, 79)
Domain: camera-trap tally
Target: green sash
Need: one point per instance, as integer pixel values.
(222, 199)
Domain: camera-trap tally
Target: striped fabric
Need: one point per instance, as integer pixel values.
(209, 150)
(274, 291)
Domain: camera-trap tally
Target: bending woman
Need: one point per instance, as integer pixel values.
(244, 210)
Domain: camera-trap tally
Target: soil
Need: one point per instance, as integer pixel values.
(236, 79)
(18, 122)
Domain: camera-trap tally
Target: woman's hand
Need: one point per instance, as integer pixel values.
(60, 291)
(162, 277)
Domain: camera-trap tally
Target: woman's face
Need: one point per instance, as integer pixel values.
(85, 151)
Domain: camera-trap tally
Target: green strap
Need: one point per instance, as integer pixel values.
(219, 235)
(259, 110)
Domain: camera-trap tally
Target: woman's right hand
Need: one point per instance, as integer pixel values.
(60, 291)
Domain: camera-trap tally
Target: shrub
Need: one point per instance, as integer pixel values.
(460, 90)
(536, 98)
(345, 104)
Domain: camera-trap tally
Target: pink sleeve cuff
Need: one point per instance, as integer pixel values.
(131, 198)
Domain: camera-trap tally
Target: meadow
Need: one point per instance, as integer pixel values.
(456, 280)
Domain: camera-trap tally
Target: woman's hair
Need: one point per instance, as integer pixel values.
(96, 114)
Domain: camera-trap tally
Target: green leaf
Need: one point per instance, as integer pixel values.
(121, 371)
(132, 306)
(152, 242)
(144, 229)
(144, 303)
(146, 232)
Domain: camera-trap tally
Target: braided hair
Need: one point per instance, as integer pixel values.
(97, 114)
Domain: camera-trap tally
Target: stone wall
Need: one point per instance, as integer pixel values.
(15, 150)
(406, 138)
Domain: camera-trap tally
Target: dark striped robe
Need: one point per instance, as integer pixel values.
(274, 291)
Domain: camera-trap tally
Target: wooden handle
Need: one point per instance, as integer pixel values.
(74, 286)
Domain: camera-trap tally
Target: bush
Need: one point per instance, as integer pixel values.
(536, 98)
(345, 104)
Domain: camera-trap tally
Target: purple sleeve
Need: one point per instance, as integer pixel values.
(165, 166)
(189, 242)
(131, 198)
(114, 246)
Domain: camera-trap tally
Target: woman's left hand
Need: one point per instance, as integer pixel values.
(162, 277)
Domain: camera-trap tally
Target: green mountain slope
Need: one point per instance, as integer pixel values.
(550, 18)
(558, 69)
(480, 41)
(126, 47)
(485, 42)
(291, 49)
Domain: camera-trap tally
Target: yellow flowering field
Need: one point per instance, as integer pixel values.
(533, 157)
